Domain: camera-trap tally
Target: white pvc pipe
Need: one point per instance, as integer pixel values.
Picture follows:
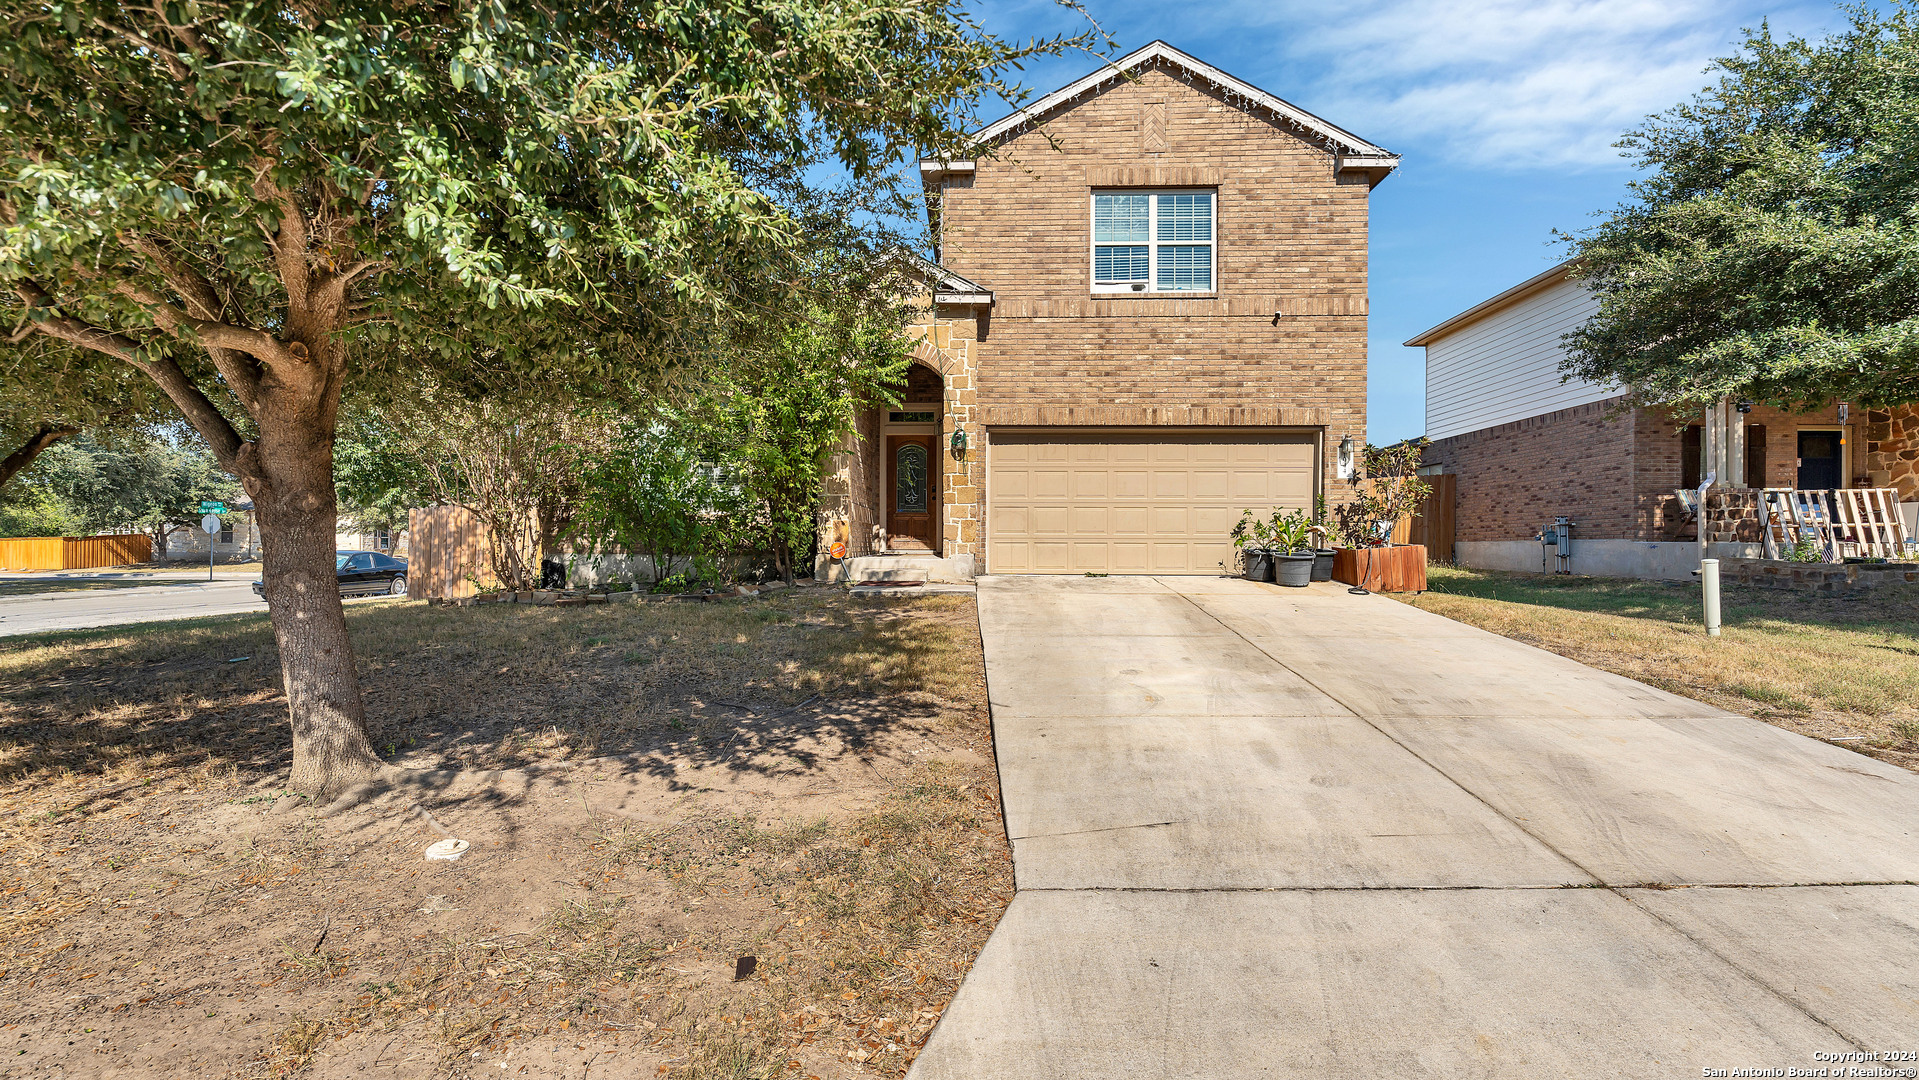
(1709, 582)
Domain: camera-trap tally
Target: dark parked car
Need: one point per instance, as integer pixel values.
(363, 573)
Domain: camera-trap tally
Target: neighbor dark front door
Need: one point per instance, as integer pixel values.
(911, 492)
(1820, 458)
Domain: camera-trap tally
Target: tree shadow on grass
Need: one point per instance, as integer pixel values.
(776, 687)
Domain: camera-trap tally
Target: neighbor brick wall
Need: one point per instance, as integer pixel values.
(1291, 236)
(1514, 478)
(1617, 476)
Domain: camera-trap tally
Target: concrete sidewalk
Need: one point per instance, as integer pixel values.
(1263, 832)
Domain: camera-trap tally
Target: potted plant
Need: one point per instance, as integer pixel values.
(1292, 535)
(1250, 539)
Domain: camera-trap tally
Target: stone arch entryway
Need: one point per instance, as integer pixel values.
(909, 468)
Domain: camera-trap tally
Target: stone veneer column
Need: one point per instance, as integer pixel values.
(1892, 449)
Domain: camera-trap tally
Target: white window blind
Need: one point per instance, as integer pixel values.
(1153, 241)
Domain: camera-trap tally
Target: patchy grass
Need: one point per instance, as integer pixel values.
(805, 779)
(1826, 667)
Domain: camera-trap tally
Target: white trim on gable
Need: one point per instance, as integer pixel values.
(1355, 153)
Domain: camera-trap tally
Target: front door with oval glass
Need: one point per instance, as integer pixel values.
(911, 493)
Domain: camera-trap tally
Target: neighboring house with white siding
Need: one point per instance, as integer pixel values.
(1527, 445)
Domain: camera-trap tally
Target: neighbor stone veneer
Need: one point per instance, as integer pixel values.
(1829, 578)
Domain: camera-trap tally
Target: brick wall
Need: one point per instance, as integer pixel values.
(1617, 476)
(1291, 236)
(1514, 478)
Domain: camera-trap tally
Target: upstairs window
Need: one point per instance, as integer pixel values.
(1153, 241)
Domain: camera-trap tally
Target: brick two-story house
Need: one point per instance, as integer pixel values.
(1147, 313)
(1528, 445)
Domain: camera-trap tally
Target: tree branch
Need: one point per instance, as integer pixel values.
(290, 245)
(32, 448)
(199, 410)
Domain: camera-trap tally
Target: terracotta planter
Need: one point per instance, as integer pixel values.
(1401, 568)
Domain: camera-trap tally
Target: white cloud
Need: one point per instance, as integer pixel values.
(1498, 82)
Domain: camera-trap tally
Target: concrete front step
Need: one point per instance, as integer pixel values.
(958, 568)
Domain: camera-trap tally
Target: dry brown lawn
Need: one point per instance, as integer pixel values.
(1843, 670)
(651, 792)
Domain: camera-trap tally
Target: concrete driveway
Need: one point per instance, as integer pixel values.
(1263, 832)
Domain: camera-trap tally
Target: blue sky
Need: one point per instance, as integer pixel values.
(1505, 112)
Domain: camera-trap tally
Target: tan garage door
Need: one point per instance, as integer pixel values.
(1159, 503)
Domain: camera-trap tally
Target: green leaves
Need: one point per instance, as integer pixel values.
(638, 160)
(1773, 250)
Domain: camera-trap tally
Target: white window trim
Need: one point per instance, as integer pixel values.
(1126, 288)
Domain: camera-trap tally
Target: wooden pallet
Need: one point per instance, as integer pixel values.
(1845, 522)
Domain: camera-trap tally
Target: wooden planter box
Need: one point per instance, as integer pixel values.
(1401, 568)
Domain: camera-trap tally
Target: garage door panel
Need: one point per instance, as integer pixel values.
(1091, 521)
(1131, 558)
(1071, 502)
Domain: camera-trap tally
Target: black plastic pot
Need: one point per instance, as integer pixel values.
(1293, 568)
(1322, 564)
(1259, 564)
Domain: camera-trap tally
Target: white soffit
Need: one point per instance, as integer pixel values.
(1159, 53)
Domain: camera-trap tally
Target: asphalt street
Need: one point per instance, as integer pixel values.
(152, 598)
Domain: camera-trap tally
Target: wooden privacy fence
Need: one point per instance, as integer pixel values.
(1431, 523)
(74, 552)
(1843, 522)
(446, 553)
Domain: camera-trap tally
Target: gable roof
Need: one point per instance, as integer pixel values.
(947, 287)
(1536, 283)
(1355, 152)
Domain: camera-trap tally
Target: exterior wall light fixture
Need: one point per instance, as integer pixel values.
(1744, 407)
(1344, 462)
(959, 443)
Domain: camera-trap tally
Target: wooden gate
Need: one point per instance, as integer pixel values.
(1432, 523)
(446, 553)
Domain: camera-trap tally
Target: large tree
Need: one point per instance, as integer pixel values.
(1772, 249)
(250, 203)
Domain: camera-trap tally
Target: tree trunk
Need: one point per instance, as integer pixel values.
(294, 500)
(35, 445)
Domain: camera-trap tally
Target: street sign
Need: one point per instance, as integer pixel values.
(213, 508)
(211, 524)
